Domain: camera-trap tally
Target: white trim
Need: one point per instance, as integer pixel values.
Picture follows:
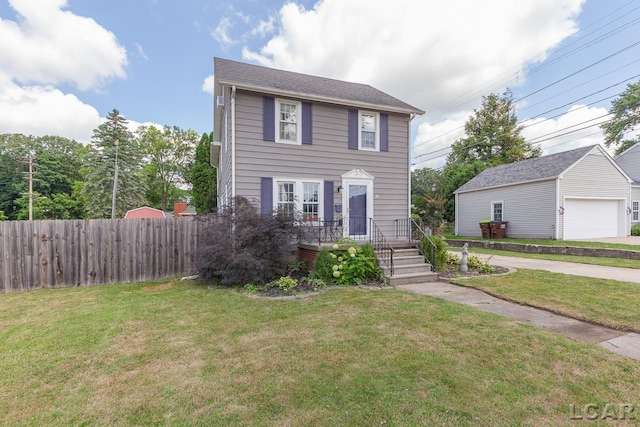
(298, 105)
(635, 210)
(377, 130)
(299, 192)
(319, 98)
(493, 203)
(357, 177)
(557, 203)
(606, 155)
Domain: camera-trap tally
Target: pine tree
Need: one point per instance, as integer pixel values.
(110, 138)
(203, 178)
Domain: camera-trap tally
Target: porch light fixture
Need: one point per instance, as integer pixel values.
(339, 188)
(561, 210)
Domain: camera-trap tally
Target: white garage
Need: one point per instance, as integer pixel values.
(576, 194)
(593, 218)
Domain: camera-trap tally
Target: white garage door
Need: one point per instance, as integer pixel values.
(588, 218)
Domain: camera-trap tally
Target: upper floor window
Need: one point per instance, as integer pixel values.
(496, 211)
(288, 121)
(369, 136)
(635, 210)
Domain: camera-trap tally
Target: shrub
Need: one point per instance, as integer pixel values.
(240, 245)
(285, 283)
(323, 266)
(635, 230)
(473, 262)
(453, 261)
(439, 253)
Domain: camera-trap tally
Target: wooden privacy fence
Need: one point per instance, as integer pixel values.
(55, 254)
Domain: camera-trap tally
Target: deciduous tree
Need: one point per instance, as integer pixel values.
(622, 130)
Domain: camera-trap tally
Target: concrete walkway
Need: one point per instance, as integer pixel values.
(626, 344)
(575, 269)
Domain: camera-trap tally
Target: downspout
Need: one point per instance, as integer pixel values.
(456, 222)
(233, 141)
(411, 116)
(557, 226)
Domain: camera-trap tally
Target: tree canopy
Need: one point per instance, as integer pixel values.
(109, 138)
(493, 135)
(203, 178)
(622, 130)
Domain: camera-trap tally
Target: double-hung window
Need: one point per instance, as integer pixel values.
(288, 121)
(496, 211)
(299, 196)
(369, 136)
(635, 210)
(286, 197)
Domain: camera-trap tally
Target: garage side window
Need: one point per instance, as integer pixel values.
(496, 211)
(635, 210)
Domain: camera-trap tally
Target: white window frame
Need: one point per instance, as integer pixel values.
(496, 202)
(635, 210)
(377, 130)
(298, 192)
(298, 104)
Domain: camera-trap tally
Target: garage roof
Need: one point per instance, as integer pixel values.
(537, 169)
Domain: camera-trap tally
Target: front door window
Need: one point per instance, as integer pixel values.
(357, 210)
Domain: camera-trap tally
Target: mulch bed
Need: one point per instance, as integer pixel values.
(456, 274)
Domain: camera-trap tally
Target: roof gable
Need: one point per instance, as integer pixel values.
(287, 83)
(537, 169)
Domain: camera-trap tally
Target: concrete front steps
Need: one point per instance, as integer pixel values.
(409, 266)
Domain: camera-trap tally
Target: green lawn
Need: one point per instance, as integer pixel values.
(611, 262)
(549, 242)
(606, 302)
(177, 353)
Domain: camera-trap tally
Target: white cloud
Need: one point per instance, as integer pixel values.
(427, 53)
(264, 28)
(433, 140)
(441, 57)
(576, 128)
(141, 51)
(45, 110)
(221, 33)
(49, 45)
(207, 85)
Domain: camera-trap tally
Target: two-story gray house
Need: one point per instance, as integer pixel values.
(629, 161)
(330, 149)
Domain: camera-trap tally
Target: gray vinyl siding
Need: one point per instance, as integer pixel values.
(593, 177)
(327, 158)
(630, 162)
(527, 207)
(635, 195)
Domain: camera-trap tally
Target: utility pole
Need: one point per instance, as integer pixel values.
(115, 184)
(30, 187)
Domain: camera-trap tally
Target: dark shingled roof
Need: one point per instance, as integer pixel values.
(270, 80)
(546, 167)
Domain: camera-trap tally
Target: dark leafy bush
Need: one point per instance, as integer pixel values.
(439, 253)
(240, 245)
(635, 230)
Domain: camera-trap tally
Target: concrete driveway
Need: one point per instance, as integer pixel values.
(630, 240)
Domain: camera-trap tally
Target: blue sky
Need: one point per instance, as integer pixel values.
(65, 64)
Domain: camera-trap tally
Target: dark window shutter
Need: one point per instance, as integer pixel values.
(268, 118)
(307, 124)
(353, 129)
(328, 200)
(384, 132)
(266, 195)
